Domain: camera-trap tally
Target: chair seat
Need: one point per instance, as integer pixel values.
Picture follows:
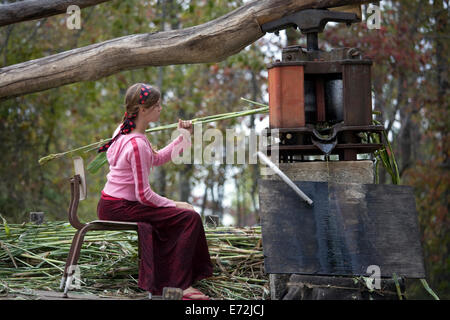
(112, 225)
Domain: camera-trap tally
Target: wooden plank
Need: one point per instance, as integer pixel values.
(350, 227)
(55, 295)
(361, 171)
(357, 94)
(286, 97)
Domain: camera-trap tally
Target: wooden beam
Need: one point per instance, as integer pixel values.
(209, 42)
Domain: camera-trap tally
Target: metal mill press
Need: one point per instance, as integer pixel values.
(320, 101)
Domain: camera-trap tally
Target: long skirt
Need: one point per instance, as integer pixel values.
(172, 241)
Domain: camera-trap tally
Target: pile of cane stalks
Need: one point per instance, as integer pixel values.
(32, 257)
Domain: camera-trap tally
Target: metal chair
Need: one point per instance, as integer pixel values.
(79, 192)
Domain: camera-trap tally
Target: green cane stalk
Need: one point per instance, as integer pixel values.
(35, 255)
(429, 290)
(101, 159)
(386, 158)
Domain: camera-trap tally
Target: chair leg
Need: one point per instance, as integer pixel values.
(69, 258)
(74, 254)
(78, 242)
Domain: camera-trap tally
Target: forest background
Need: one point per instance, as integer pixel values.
(410, 91)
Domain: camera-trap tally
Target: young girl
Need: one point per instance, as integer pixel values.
(174, 252)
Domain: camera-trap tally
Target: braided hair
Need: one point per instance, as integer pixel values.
(137, 95)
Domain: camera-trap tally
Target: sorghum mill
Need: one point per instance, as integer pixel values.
(320, 100)
(320, 103)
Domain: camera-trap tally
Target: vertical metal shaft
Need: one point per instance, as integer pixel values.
(312, 41)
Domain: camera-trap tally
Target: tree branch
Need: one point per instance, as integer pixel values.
(210, 42)
(36, 9)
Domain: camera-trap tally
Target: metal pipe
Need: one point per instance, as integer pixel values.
(284, 177)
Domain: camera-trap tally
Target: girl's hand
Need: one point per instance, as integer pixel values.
(186, 124)
(184, 205)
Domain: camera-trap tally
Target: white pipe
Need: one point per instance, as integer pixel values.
(284, 177)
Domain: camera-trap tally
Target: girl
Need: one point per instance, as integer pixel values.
(174, 252)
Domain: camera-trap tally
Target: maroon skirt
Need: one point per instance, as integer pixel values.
(172, 241)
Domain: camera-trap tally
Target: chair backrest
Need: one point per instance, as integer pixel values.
(78, 192)
(79, 169)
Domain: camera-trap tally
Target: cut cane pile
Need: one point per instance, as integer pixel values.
(32, 257)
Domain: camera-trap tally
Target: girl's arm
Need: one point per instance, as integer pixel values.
(140, 160)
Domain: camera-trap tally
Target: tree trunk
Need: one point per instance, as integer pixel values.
(441, 18)
(254, 169)
(205, 199)
(406, 141)
(239, 221)
(220, 190)
(380, 107)
(209, 42)
(185, 186)
(160, 172)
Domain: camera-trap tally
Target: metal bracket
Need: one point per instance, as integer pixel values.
(310, 22)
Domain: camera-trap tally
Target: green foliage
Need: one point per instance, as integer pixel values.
(79, 114)
(99, 160)
(33, 258)
(386, 157)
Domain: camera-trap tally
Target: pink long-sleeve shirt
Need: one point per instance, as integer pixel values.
(131, 160)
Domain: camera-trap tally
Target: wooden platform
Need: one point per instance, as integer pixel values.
(55, 295)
